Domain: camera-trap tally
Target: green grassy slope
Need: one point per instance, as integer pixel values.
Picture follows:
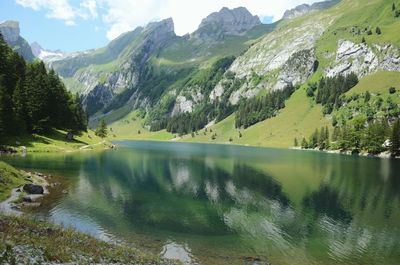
(298, 119)
(378, 82)
(10, 178)
(56, 142)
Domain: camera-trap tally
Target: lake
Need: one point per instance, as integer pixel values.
(224, 204)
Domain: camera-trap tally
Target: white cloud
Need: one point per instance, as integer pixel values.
(123, 15)
(120, 16)
(62, 9)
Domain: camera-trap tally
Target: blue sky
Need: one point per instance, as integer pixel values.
(76, 25)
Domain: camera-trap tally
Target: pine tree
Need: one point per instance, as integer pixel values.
(363, 40)
(304, 143)
(378, 30)
(327, 142)
(395, 138)
(393, 7)
(314, 139)
(336, 134)
(296, 144)
(101, 130)
(321, 139)
(367, 97)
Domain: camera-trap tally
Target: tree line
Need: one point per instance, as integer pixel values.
(331, 89)
(34, 100)
(255, 110)
(372, 137)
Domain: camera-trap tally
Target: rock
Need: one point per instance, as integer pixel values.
(300, 66)
(33, 189)
(226, 22)
(10, 31)
(362, 59)
(305, 9)
(16, 207)
(33, 204)
(182, 105)
(27, 199)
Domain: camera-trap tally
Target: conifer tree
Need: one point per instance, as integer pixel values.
(395, 138)
(304, 143)
(102, 130)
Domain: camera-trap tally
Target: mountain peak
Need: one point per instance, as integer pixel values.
(166, 25)
(10, 31)
(234, 21)
(305, 8)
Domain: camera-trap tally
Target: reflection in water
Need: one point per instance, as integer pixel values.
(172, 250)
(232, 205)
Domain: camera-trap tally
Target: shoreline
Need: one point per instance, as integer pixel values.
(20, 199)
(383, 155)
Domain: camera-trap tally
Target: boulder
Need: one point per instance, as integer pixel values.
(33, 189)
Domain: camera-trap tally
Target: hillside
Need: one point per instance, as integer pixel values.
(184, 84)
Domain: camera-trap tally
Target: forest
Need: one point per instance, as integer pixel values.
(255, 110)
(360, 136)
(33, 99)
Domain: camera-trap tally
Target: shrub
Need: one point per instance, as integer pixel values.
(392, 90)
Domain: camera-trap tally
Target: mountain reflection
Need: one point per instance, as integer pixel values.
(225, 201)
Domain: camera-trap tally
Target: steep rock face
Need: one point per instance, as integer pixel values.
(182, 105)
(300, 66)
(227, 22)
(363, 59)
(10, 31)
(275, 49)
(284, 56)
(305, 9)
(97, 98)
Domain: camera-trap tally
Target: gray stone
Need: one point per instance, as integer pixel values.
(33, 189)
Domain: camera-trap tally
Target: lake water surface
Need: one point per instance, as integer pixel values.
(221, 204)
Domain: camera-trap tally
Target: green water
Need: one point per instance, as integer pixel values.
(219, 204)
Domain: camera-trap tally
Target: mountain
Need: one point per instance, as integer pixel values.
(305, 8)
(252, 83)
(121, 73)
(46, 55)
(11, 33)
(227, 21)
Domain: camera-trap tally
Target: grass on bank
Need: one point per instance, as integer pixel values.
(56, 141)
(10, 178)
(23, 240)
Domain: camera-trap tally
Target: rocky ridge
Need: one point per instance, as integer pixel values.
(227, 22)
(363, 59)
(303, 9)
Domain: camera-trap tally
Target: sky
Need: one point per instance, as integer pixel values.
(77, 25)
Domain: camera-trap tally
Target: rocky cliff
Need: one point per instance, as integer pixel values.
(11, 33)
(305, 9)
(227, 22)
